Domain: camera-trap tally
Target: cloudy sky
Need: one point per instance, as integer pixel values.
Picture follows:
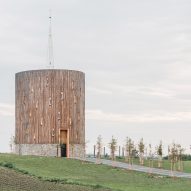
(136, 55)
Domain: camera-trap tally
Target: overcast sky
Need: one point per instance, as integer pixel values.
(136, 55)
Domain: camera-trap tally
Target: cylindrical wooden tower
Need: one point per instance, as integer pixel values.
(50, 113)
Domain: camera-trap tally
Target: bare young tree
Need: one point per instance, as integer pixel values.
(12, 144)
(150, 158)
(159, 150)
(99, 147)
(141, 149)
(85, 147)
(180, 152)
(129, 148)
(173, 155)
(113, 147)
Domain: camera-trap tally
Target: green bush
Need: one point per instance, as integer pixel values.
(97, 186)
(8, 165)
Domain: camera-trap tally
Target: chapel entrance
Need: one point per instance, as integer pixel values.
(63, 143)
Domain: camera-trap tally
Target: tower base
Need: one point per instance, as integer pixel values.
(54, 150)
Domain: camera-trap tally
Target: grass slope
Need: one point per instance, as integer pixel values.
(165, 164)
(13, 181)
(76, 172)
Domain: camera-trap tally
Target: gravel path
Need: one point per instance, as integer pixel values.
(140, 168)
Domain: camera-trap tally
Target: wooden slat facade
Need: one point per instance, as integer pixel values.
(48, 101)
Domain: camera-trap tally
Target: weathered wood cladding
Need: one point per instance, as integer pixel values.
(48, 101)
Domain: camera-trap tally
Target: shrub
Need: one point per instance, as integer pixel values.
(97, 186)
(8, 165)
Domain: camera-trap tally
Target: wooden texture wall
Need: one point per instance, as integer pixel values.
(48, 101)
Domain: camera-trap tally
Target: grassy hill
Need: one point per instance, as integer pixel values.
(165, 164)
(11, 180)
(78, 175)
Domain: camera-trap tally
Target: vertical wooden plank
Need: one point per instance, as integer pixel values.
(47, 101)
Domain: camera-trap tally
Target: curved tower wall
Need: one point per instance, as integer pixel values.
(50, 112)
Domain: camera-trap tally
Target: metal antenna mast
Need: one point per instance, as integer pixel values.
(50, 44)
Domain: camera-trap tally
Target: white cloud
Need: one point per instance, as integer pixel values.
(139, 118)
(143, 90)
(7, 109)
(96, 90)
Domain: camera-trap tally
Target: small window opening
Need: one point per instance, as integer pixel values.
(50, 101)
(47, 82)
(37, 105)
(62, 95)
(41, 121)
(53, 133)
(72, 85)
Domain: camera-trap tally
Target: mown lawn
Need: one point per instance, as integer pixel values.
(165, 164)
(11, 180)
(100, 176)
